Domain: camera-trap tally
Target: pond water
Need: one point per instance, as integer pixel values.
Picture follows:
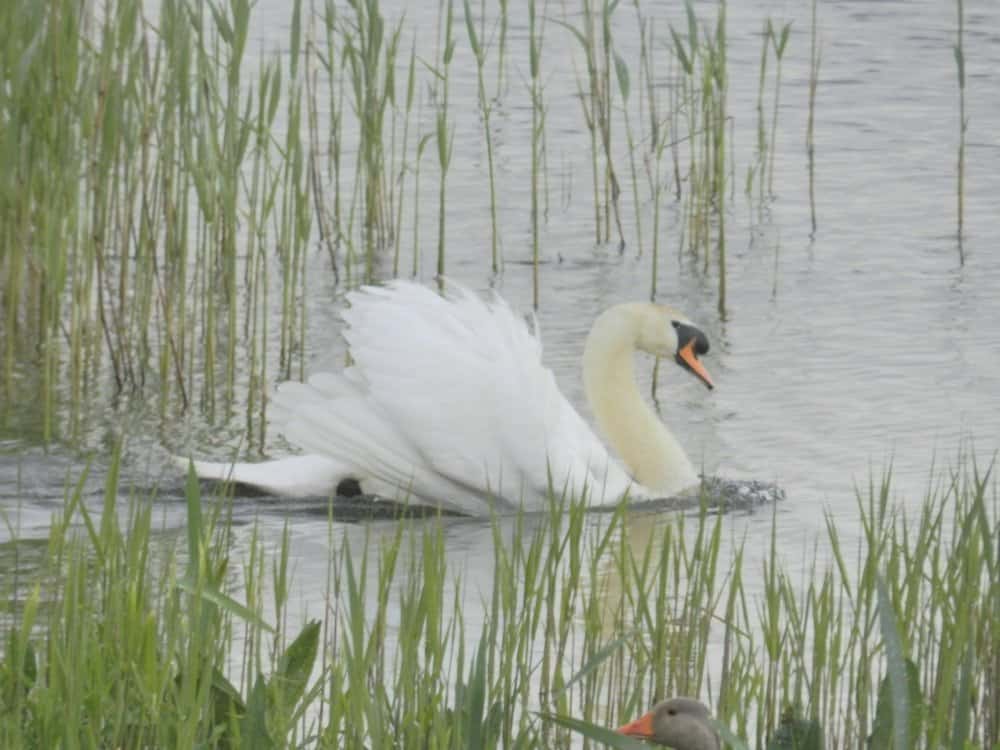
(866, 344)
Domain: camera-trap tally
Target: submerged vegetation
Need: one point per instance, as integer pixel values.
(122, 635)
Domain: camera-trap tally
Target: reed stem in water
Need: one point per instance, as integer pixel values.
(479, 51)
(815, 56)
(535, 35)
(779, 41)
(963, 124)
(444, 134)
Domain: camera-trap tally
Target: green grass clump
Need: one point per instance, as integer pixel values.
(701, 117)
(121, 636)
(146, 188)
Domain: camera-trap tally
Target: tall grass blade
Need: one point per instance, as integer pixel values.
(963, 704)
(600, 734)
(898, 677)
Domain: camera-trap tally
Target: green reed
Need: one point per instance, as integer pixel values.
(720, 88)
(328, 57)
(320, 54)
(776, 41)
(41, 187)
(444, 133)
(121, 634)
(963, 124)
(404, 170)
(760, 168)
(476, 42)
(815, 57)
(170, 248)
(370, 53)
(536, 31)
(422, 142)
(359, 57)
(703, 92)
(779, 41)
(644, 88)
(504, 22)
(661, 131)
(596, 99)
(599, 71)
(134, 194)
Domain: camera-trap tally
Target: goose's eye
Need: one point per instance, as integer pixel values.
(675, 324)
(671, 711)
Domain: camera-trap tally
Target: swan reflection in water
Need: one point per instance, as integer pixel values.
(447, 404)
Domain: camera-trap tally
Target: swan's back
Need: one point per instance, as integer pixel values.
(447, 400)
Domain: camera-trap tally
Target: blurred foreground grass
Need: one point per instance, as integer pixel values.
(119, 635)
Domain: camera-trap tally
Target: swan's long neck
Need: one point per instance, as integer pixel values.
(645, 445)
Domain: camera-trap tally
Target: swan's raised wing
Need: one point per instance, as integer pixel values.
(450, 401)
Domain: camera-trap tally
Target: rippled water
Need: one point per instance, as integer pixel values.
(864, 345)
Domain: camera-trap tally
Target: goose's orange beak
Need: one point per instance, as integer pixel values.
(641, 727)
(687, 357)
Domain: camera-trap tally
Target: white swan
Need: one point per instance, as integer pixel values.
(447, 402)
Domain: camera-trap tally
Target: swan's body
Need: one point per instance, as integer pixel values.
(447, 402)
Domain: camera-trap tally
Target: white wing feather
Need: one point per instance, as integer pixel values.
(447, 401)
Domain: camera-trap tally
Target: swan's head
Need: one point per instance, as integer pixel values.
(664, 332)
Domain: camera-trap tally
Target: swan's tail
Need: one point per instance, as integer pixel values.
(293, 476)
(314, 421)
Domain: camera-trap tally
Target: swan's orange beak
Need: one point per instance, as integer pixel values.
(687, 357)
(641, 727)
